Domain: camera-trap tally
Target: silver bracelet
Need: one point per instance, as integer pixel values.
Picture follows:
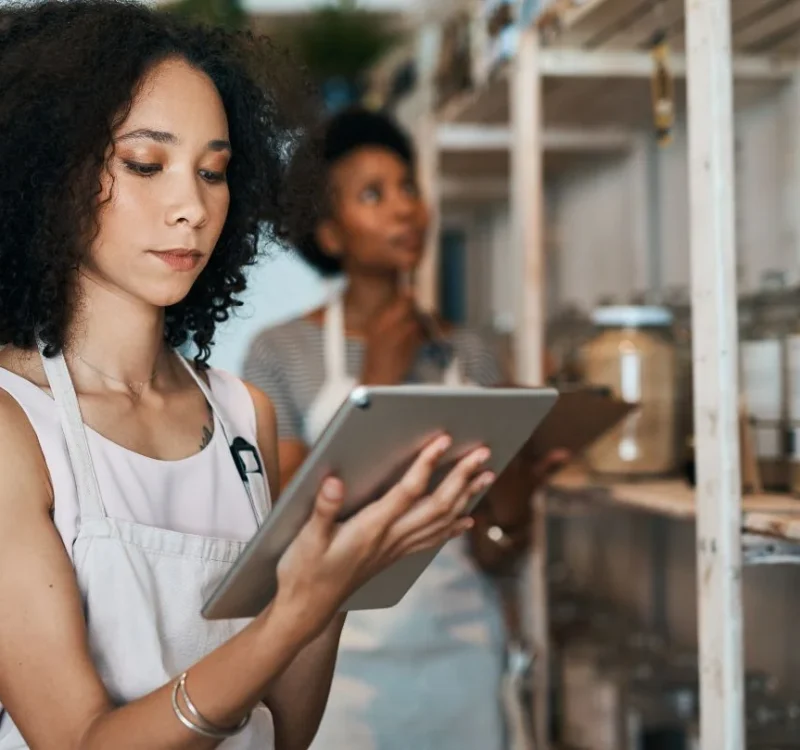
(205, 727)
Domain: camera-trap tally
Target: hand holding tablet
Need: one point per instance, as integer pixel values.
(394, 487)
(330, 559)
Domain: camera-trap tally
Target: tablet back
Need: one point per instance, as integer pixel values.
(372, 439)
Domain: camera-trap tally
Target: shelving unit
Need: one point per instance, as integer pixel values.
(774, 515)
(581, 74)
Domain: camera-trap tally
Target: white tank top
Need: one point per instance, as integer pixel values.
(149, 539)
(202, 494)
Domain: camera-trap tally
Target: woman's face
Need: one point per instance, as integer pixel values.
(378, 219)
(165, 195)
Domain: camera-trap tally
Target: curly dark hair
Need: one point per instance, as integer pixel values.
(68, 74)
(348, 131)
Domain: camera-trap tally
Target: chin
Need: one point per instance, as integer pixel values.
(168, 294)
(409, 261)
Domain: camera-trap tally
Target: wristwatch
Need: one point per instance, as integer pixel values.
(499, 537)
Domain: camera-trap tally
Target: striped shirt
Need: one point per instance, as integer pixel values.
(287, 362)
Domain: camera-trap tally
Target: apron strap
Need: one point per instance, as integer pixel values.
(90, 501)
(453, 376)
(335, 341)
(247, 457)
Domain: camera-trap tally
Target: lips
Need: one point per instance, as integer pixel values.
(411, 240)
(179, 259)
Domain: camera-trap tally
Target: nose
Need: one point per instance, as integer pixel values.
(186, 204)
(405, 205)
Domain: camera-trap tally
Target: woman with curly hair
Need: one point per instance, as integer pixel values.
(138, 160)
(428, 673)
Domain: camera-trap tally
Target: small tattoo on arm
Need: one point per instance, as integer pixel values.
(207, 435)
(208, 429)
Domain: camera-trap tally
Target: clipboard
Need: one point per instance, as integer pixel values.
(581, 416)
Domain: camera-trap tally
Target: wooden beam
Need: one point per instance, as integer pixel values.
(790, 188)
(715, 356)
(527, 208)
(477, 189)
(427, 277)
(565, 62)
(472, 137)
(528, 238)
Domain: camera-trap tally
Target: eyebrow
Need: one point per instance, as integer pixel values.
(161, 136)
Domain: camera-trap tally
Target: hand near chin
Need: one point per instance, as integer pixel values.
(393, 339)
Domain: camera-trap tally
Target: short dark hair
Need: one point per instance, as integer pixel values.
(343, 134)
(68, 74)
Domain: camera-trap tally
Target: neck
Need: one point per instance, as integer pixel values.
(366, 296)
(121, 336)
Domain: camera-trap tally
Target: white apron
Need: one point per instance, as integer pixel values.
(143, 587)
(427, 673)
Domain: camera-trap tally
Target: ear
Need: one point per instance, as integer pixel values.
(329, 238)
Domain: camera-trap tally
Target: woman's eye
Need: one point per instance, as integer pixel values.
(143, 170)
(370, 195)
(411, 189)
(213, 177)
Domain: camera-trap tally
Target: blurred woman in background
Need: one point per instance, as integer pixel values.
(427, 673)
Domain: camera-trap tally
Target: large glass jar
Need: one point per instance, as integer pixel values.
(762, 353)
(634, 355)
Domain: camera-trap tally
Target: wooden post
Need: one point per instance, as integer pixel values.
(714, 320)
(426, 142)
(527, 216)
(527, 209)
(790, 145)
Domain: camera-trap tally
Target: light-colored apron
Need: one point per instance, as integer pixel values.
(143, 587)
(427, 673)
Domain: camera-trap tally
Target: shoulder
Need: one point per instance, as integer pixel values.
(23, 408)
(20, 448)
(262, 405)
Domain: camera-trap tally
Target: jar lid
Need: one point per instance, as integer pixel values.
(631, 316)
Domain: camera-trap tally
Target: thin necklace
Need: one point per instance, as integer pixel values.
(136, 386)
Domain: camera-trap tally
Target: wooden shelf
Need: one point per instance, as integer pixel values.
(596, 67)
(769, 514)
(758, 26)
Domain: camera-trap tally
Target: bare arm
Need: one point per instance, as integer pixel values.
(291, 454)
(45, 667)
(298, 696)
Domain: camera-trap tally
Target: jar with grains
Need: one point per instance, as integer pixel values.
(634, 355)
(762, 356)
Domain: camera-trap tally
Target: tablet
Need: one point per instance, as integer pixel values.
(581, 416)
(374, 436)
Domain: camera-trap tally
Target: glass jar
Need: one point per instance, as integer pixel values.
(634, 355)
(679, 304)
(763, 385)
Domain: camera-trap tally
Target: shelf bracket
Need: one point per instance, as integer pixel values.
(767, 550)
